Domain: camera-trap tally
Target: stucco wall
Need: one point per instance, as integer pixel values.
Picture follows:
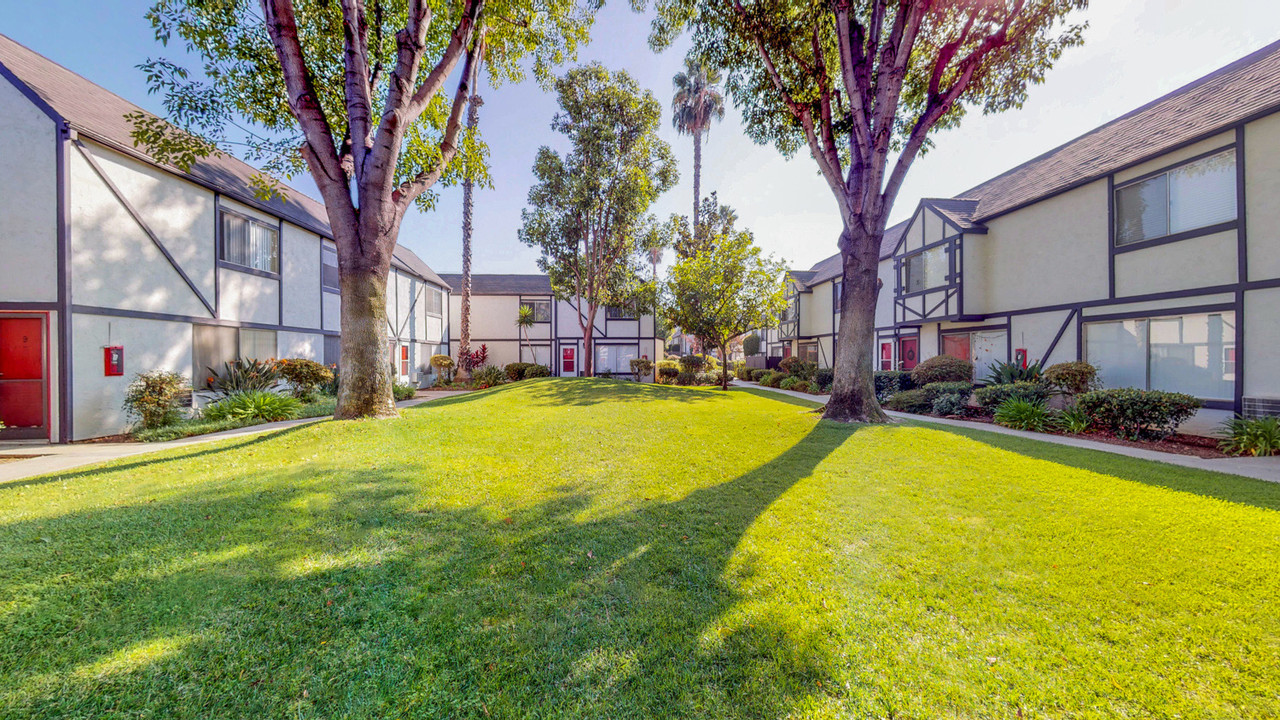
(28, 200)
(1036, 332)
(300, 345)
(300, 277)
(1183, 265)
(1177, 156)
(1262, 343)
(248, 298)
(1262, 189)
(815, 314)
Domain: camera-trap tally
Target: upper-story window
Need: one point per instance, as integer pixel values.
(836, 288)
(619, 313)
(249, 243)
(541, 309)
(328, 268)
(1194, 195)
(925, 270)
(433, 301)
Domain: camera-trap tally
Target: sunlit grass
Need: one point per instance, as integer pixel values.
(576, 548)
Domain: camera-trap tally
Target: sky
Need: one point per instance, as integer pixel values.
(1134, 51)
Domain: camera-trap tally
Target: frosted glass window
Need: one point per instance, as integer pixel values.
(926, 270)
(1195, 195)
(257, 344)
(1193, 354)
(615, 358)
(540, 354)
(1119, 351)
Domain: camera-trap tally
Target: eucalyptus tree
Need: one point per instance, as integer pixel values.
(864, 85)
(588, 212)
(358, 95)
(697, 101)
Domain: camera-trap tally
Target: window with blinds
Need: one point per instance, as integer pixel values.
(1191, 196)
(249, 243)
(329, 268)
(433, 301)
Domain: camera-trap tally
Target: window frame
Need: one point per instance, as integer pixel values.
(325, 252)
(943, 247)
(1167, 173)
(532, 302)
(1181, 315)
(613, 313)
(251, 221)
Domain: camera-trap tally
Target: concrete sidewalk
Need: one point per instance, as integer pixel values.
(1261, 468)
(46, 458)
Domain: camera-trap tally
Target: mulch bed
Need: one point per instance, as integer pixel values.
(1177, 444)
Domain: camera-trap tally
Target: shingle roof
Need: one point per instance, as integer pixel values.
(503, 284)
(99, 114)
(1244, 89)
(830, 268)
(407, 260)
(959, 211)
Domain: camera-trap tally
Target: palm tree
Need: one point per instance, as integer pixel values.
(524, 321)
(696, 103)
(464, 332)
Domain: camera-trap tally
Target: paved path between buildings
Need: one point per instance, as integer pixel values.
(1262, 468)
(57, 458)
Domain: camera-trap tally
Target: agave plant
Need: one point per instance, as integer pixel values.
(1026, 415)
(1005, 373)
(243, 376)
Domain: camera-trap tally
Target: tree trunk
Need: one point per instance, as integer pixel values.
(724, 369)
(697, 180)
(853, 393)
(364, 386)
(468, 205)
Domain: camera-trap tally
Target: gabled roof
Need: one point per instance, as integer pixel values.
(502, 284)
(831, 268)
(1245, 89)
(99, 114)
(958, 211)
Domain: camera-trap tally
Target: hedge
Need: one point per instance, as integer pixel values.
(992, 396)
(942, 368)
(1138, 414)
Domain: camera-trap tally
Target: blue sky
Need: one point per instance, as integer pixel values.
(1135, 51)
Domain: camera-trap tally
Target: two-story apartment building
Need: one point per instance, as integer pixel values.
(1149, 247)
(113, 264)
(619, 335)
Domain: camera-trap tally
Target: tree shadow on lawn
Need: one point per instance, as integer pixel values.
(339, 592)
(780, 397)
(594, 391)
(1222, 486)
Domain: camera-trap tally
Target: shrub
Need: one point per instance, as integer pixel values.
(757, 373)
(1073, 420)
(822, 377)
(789, 364)
(1137, 414)
(789, 382)
(803, 386)
(154, 397)
(937, 389)
(751, 345)
(243, 376)
(773, 378)
(694, 363)
(686, 378)
(715, 377)
(536, 371)
(474, 359)
(799, 368)
(516, 370)
(1004, 373)
(668, 371)
(992, 396)
(304, 376)
(487, 376)
(443, 364)
(1074, 377)
(1021, 414)
(741, 371)
(942, 368)
(950, 404)
(259, 405)
(912, 401)
(330, 387)
(1250, 436)
(889, 382)
(403, 391)
(641, 368)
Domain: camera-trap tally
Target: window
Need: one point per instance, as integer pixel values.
(541, 309)
(249, 243)
(404, 360)
(615, 358)
(809, 352)
(1194, 195)
(539, 354)
(211, 347)
(332, 349)
(983, 348)
(836, 287)
(619, 313)
(257, 344)
(886, 355)
(433, 301)
(328, 268)
(925, 270)
(1187, 353)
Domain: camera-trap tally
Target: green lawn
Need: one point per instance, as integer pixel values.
(596, 549)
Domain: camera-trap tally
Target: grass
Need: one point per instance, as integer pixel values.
(201, 426)
(577, 548)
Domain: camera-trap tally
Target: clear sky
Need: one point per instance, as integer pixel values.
(1135, 51)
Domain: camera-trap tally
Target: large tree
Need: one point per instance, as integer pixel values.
(357, 95)
(588, 211)
(864, 84)
(468, 212)
(697, 101)
(727, 289)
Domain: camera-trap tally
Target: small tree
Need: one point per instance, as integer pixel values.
(525, 321)
(725, 291)
(589, 210)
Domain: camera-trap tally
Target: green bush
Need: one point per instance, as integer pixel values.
(256, 405)
(889, 382)
(757, 373)
(912, 401)
(154, 397)
(641, 368)
(403, 391)
(330, 387)
(1251, 436)
(668, 371)
(694, 363)
(444, 366)
(789, 363)
(942, 368)
(741, 371)
(715, 377)
(1073, 377)
(1074, 420)
(536, 371)
(773, 378)
(950, 404)
(798, 368)
(789, 382)
(992, 396)
(687, 378)
(934, 390)
(243, 376)
(1004, 373)
(822, 377)
(1021, 414)
(516, 370)
(1137, 414)
(487, 376)
(751, 345)
(304, 376)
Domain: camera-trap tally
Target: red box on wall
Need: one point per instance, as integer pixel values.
(113, 360)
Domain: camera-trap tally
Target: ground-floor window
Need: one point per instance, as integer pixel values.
(983, 348)
(1193, 354)
(257, 344)
(809, 352)
(213, 346)
(615, 358)
(539, 354)
(886, 355)
(404, 360)
(332, 349)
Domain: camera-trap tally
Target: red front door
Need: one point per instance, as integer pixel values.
(22, 381)
(568, 361)
(908, 352)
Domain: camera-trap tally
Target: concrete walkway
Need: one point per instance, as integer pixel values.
(44, 458)
(1261, 468)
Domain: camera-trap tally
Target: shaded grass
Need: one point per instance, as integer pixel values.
(578, 548)
(201, 426)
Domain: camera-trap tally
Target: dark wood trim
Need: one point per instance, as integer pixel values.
(1242, 267)
(1175, 165)
(194, 319)
(972, 329)
(224, 265)
(1053, 345)
(1156, 313)
(1111, 236)
(1175, 237)
(62, 170)
(18, 306)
